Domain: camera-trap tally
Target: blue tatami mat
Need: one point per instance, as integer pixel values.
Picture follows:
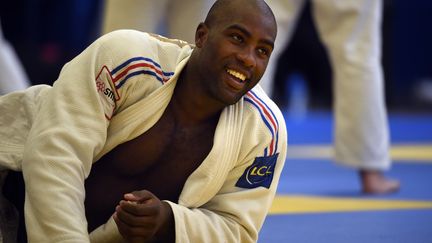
(316, 179)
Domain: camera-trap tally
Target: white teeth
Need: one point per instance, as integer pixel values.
(236, 74)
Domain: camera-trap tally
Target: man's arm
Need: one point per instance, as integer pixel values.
(233, 215)
(69, 130)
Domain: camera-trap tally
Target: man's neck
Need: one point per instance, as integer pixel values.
(190, 104)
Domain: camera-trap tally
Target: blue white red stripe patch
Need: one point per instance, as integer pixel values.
(269, 119)
(136, 66)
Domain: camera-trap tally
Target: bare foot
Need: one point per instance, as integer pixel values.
(374, 182)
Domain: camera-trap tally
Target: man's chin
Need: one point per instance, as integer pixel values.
(232, 98)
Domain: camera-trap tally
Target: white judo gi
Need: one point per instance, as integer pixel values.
(111, 93)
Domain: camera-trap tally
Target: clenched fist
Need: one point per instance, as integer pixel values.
(142, 217)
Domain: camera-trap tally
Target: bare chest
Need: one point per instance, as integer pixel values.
(160, 160)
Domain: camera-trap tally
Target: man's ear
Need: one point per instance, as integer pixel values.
(201, 35)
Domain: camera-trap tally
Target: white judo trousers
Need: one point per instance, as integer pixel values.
(179, 18)
(350, 31)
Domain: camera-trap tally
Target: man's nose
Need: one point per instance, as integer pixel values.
(247, 57)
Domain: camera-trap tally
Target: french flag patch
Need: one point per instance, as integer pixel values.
(260, 173)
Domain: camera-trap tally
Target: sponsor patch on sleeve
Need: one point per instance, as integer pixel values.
(260, 173)
(107, 92)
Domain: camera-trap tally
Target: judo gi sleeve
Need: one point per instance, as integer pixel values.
(70, 128)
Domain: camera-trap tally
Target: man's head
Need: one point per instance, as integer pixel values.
(233, 47)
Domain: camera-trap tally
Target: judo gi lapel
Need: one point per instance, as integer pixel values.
(207, 180)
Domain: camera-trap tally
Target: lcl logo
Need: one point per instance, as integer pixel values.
(260, 173)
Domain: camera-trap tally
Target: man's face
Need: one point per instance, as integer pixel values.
(234, 53)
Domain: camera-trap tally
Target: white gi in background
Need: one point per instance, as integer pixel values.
(171, 16)
(350, 31)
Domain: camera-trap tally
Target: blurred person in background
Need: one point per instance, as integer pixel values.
(12, 74)
(171, 18)
(350, 31)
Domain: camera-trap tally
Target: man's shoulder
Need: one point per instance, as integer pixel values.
(261, 105)
(263, 123)
(176, 42)
(131, 39)
(134, 38)
(126, 44)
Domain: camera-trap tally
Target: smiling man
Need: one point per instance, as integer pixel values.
(143, 138)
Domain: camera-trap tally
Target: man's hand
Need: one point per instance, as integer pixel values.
(142, 216)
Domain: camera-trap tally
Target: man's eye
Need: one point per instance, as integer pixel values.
(264, 52)
(237, 38)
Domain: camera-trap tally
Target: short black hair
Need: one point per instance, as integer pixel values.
(218, 9)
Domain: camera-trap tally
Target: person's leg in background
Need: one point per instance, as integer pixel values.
(12, 74)
(183, 18)
(287, 13)
(176, 18)
(350, 30)
(143, 15)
